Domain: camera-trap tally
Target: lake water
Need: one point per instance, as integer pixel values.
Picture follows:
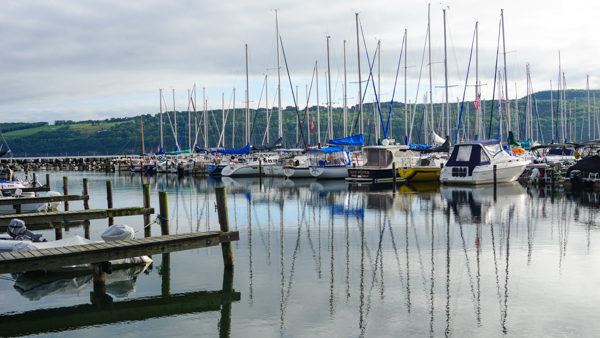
(326, 259)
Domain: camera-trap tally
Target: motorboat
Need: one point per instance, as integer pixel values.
(482, 162)
(381, 162)
(330, 163)
(297, 167)
(249, 166)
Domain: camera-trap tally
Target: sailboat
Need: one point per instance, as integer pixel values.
(334, 161)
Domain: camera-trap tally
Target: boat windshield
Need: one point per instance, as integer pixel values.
(377, 157)
(561, 151)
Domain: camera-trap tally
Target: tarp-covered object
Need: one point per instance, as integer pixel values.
(354, 140)
(241, 151)
(418, 147)
(328, 149)
(590, 164)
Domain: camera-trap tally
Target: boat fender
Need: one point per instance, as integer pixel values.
(118, 232)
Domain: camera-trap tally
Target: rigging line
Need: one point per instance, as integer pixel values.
(462, 104)
(300, 124)
(495, 77)
(391, 107)
(371, 64)
(170, 121)
(412, 119)
(262, 89)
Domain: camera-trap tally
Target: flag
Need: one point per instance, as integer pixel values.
(312, 124)
(476, 102)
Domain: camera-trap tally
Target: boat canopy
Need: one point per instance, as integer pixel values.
(468, 155)
(354, 140)
(178, 152)
(328, 149)
(241, 151)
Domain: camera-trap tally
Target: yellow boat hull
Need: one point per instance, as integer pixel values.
(420, 174)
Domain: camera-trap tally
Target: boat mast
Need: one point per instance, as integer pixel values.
(268, 117)
(247, 128)
(162, 140)
(505, 76)
(279, 111)
(360, 103)
(551, 113)
(318, 104)
(477, 109)
(233, 122)
(223, 118)
(589, 111)
(329, 109)
(345, 108)
(446, 112)
(175, 122)
(430, 75)
(205, 118)
(560, 103)
(189, 120)
(376, 119)
(142, 135)
(405, 83)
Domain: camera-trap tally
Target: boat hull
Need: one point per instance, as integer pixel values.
(371, 175)
(420, 174)
(297, 172)
(329, 173)
(505, 172)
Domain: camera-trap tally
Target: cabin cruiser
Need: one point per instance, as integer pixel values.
(249, 166)
(479, 162)
(587, 170)
(297, 167)
(429, 165)
(330, 163)
(381, 162)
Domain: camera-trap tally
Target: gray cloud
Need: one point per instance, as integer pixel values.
(96, 59)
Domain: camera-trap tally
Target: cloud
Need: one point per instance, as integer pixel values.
(97, 59)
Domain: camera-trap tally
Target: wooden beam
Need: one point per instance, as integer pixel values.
(85, 315)
(47, 259)
(73, 215)
(41, 199)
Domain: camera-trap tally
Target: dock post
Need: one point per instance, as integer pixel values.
(48, 181)
(146, 190)
(100, 274)
(227, 289)
(86, 193)
(163, 203)
(495, 181)
(394, 175)
(34, 179)
(66, 191)
(57, 231)
(109, 200)
(260, 173)
(221, 196)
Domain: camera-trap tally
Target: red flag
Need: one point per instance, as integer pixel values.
(312, 124)
(476, 102)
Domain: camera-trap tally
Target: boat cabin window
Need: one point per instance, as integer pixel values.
(378, 157)
(464, 153)
(561, 151)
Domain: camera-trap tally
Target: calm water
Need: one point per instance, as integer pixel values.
(320, 259)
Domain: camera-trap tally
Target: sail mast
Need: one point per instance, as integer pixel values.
(446, 113)
(430, 75)
(247, 128)
(505, 76)
(329, 109)
(360, 103)
(477, 98)
(267, 115)
(318, 104)
(162, 140)
(223, 119)
(279, 111)
(205, 118)
(233, 122)
(345, 108)
(589, 111)
(175, 123)
(189, 120)
(405, 83)
(551, 114)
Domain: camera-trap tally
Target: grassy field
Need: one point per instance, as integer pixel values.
(85, 128)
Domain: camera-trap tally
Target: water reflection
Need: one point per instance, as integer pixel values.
(323, 258)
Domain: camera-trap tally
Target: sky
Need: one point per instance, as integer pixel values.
(83, 59)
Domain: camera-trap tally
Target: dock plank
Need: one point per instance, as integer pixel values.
(46, 259)
(57, 217)
(41, 199)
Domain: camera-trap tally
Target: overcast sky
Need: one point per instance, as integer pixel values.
(98, 59)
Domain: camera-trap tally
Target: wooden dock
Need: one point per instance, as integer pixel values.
(48, 259)
(57, 217)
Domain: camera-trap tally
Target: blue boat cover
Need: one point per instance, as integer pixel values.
(241, 151)
(354, 140)
(419, 146)
(328, 149)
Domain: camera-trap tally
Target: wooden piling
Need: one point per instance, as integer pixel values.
(221, 196)
(57, 231)
(163, 203)
(394, 175)
(495, 182)
(34, 179)
(48, 181)
(86, 192)
(147, 229)
(66, 191)
(109, 200)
